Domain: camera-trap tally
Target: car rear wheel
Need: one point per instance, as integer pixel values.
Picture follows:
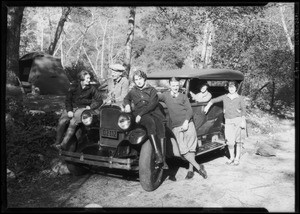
(75, 168)
(150, 175)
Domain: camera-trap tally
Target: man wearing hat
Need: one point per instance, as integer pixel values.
(118, 84)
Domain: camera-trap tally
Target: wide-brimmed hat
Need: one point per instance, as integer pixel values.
(117, 67)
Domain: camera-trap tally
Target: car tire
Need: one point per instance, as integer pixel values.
(150, 177)
(75, 168)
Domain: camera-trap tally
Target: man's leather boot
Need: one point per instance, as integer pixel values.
(159, 158)
(60, 130)
(68, 135)
(163, 145)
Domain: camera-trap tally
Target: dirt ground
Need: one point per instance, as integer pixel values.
(258, 182)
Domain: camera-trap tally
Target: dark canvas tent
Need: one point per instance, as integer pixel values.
(45, 72)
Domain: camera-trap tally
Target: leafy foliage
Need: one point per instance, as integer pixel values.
(251, 39)
(28, 138)
(74, 69)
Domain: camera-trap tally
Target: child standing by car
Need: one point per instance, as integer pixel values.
(147, 112)
(181, 114)
(235, 122)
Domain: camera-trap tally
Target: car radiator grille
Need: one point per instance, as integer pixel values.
(109, 118)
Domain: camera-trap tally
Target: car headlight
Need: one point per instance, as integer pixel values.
(87, 117)
(124, 121)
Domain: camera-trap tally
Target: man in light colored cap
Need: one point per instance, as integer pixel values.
(117, 67)
(118, 84)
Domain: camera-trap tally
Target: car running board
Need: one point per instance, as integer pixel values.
(209, 147)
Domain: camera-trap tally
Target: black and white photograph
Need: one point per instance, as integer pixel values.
(189, 108)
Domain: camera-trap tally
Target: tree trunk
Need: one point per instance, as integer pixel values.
(42, 42)
(206, 44)
(285, 29)
(259, 90)
(111, 48)
(82, 41)
(62, 53)
(14, 20)
(102, 51)
(129, 40)
(272, 96)
(209, 47)
(59, 29)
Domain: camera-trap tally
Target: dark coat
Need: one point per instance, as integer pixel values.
(80, 98)
(145, 101)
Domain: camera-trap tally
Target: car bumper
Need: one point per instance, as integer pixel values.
(95, 160)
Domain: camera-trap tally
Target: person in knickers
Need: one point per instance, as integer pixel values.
(183, 127)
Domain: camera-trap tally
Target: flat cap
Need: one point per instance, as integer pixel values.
(117, 67)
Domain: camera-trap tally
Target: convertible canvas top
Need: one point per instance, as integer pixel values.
(207, 74)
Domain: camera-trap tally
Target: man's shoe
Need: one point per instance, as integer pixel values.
(165, 165)
(189, 175)
(172, 178)
(202, 171)
(159, 159)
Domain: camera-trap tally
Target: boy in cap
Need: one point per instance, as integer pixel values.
(118, 84)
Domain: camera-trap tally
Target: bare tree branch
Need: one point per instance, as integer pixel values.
(87, 56)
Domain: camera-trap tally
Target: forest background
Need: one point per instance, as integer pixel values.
(257, 40)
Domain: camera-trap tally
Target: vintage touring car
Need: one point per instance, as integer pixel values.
(108, 137)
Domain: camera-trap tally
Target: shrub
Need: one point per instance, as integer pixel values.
(74, 69)
(28, 138)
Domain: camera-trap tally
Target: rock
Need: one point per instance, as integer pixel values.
(59, 167)
(63, 170)
(265, 150)
(93, 206)
(10, 175)
(46, 107)
(49, 173)
(33, 112)
(41, 157)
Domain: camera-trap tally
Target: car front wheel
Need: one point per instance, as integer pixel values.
(150, 174)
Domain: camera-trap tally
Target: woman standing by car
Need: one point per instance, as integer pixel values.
(235, 122)
(183, 127)
(147, 113)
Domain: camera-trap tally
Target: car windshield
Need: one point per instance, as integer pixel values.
(162, 85)
(216, 88)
